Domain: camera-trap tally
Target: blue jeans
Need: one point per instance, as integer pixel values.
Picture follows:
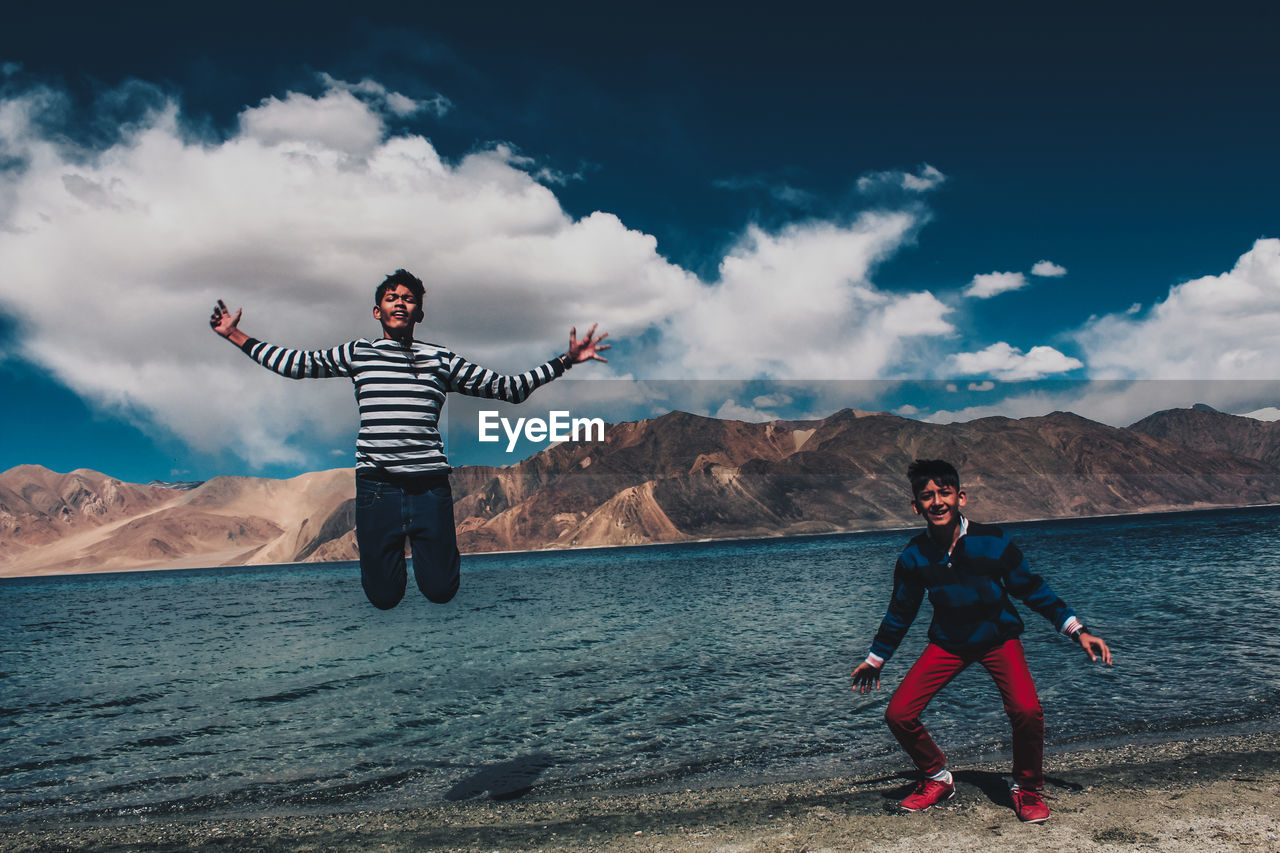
(420, 511)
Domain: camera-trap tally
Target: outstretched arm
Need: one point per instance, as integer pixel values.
(294, 364)
(468, 378)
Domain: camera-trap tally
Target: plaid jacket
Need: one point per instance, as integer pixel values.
(969, 590)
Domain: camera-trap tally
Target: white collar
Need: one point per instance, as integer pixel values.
(964, 528)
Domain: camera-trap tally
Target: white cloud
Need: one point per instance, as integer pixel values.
(732, 410)
(986, 385)
(296, 217)
(380, 97)
(1118, 402)
(1217, 327)
(799, 303)
(773, 400)
(1048, 269)
(929, 178)
(299, 213)
(1002, 361)
(986, 285)
(337, 121)
(548, 175)
(347, 118)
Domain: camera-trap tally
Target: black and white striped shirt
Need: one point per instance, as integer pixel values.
(401, 390)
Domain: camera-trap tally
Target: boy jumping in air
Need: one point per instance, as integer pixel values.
(402, 475)
(968, 569)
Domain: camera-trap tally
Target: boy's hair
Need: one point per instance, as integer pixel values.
(399, 277)
(920, 472)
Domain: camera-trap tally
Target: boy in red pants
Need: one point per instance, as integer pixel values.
(968, 569)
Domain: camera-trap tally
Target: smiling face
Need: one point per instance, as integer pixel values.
(939, 504)
(398, 310)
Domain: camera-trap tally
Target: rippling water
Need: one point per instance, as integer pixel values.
(276, 689)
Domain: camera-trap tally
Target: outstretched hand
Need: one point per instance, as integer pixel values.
(864, 677)
(1094, 647)
(587, 348)
(227, 324)
(223, 321)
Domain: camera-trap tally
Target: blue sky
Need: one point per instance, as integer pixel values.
(949, 211)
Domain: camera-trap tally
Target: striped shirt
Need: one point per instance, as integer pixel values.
(401, 391)
(969, 589)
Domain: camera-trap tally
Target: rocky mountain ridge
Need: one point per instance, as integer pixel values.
(675, 478)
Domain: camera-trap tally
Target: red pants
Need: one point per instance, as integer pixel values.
(934, 670)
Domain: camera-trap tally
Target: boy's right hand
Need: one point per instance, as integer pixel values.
(865, 676)
(227, 324)
(223, 321)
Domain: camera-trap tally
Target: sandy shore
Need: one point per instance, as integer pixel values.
(1211, 793)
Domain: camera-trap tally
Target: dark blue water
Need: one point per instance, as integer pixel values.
(276, 689)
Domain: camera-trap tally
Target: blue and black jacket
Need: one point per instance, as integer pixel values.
(969, 590)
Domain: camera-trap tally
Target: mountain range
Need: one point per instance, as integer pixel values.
(679, 477)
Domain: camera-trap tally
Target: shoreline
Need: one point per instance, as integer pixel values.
(474, 555)
(1189, 792)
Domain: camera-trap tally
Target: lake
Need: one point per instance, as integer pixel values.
(277, 689)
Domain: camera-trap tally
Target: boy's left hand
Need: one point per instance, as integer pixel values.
(588, 348)
(1094, 647)
(864, 676)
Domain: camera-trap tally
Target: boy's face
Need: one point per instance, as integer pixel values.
(940, 505)
(397, 311)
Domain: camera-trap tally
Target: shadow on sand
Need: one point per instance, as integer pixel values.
(507, 780)
(995, 786)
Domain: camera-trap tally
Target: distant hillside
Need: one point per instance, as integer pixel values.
(85, 521)
(1208, 431)
(674, 478)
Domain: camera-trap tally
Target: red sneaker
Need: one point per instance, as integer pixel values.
(930, 792)
(1029, 806)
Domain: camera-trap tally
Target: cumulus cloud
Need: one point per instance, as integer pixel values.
(928, 178)
(1048, 269)
(1223, 326)
(397, 104)
(337, 122)
(763, 408)
(986, 385)
(773, 400)
(799, 303)
(987, 285)
(1002, 361)
(296, 216)
(299, 212)
(732, 410)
